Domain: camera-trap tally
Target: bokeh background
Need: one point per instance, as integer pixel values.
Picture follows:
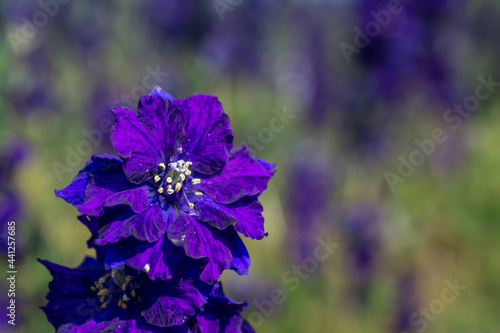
(336, 100)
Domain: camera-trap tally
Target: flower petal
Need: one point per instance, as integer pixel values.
(134, 140)
(74, 193)
(175, 310)
(208, 135)
(245, 214)
(198, 242)
(69, 292)
(165, 121)
(148, 225)
(243, 175)
(108, 187)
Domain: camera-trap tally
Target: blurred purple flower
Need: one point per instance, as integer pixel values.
(362, 232)
(307, 204)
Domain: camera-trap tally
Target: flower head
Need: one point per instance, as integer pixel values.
(180, 183)
(93, 298)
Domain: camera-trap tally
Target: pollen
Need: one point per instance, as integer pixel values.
(191, 205)
(178, 187)
(160, 190)
(187, 172)
(182, 176)
(157, 179)
(161, 166)
(198, 194)
(196, 181)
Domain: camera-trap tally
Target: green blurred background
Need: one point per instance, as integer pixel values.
(334, 124)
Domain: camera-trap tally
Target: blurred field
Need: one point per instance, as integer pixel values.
(347, 125)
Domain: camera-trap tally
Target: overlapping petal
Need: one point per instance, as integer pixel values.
(245, 214)
(165, 121)
(175, 309)
(208, 135)
(242, 175)
(148, 225)
(134, 140)
(198, 242)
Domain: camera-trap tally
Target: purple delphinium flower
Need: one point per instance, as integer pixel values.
(180, 183)
(93, 298)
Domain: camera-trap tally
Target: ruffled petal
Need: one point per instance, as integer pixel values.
(135, 141)
(175, 309)
(148, 225)
(243, 175)
(198, 242)
(74, 193)
(165, 121)
(109, 187)
(245, 214)
(162, 257)
(208, 135)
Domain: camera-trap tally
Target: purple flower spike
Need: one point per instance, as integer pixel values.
(180, 183)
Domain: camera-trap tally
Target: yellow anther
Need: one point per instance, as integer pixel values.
(124, 286)
(157, 179)
(161, 166)
(169, 180)
(196, 181)
(132, 293)
(160, 190)
(88, 218)
(120, 302)
(103, 306)
(102, 292)
(107, 276)
(102, 298)
(178, 187)
(124, 306)
(191, 205)
(128, 278)
(198, 194)
(188, 164)
(99, 286)
(187, 172)
(183, 178)
(93, 288)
